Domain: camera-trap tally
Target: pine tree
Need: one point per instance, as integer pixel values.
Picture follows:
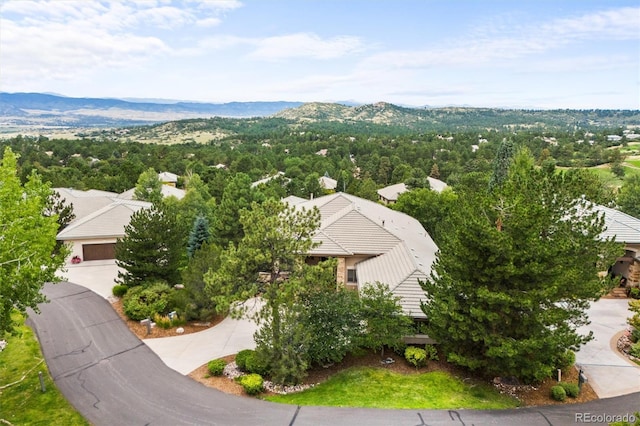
(515, 274)
(151, 249)
(199, 234)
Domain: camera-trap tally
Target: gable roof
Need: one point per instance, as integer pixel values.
(327, 183)
(401, 250)
(85, 202)
(623, 227)
(392, 192)
(108, 222)
(168, 177)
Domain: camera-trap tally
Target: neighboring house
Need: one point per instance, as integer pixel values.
(268, 179)
(372, 243)
(94, 236)
(168, 178)
(625, 229)
(167, 191)
(390, 194)
(327, 183)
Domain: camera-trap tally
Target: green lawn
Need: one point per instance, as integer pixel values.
(380, 388)
(24, 403)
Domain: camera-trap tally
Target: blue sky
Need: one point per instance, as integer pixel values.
(482, 53)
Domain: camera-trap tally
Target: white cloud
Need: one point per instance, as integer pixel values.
(305, 45)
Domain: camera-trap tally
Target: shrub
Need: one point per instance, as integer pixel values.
(635, 350)
(241, 358)
(566, 360)
(635, 335)
(216, 367)
(252, 383)
(558, 393)
(415, 356)
(256, 364)
(571, 389)
(432, 352)
(634, 293)
(145, 302)
(119, 290)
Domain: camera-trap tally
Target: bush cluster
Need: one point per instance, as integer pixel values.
(571, 389)
(251, 383)
(146, 301)
(241, 358)
(558, 393)
(415, 356)
(164, 322)
(216, 367)
(635, 350)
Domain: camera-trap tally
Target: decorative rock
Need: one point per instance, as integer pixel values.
(3, 344)
(179, 330)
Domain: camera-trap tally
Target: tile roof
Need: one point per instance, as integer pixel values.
(107, 222)
(623, 227)
(392, 192)
(402, 251)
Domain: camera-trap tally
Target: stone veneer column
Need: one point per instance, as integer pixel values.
(341, 273)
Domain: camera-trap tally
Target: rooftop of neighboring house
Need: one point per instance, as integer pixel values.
(623, 227)
(392, 192)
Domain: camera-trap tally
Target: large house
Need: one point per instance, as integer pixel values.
(101, 218)
(372, 243)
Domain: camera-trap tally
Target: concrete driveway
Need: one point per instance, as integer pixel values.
(609, 373)
(96, 275)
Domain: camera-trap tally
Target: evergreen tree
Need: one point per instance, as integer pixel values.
(199, 234)
(501, 164)
(238, 195)
(515, 273)
(275, 242)
(151, 249)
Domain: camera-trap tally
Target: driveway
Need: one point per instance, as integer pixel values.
(96, 275)
(609, 373)
(111, 378)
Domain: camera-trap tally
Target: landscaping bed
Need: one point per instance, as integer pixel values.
(140, 330)
(527, 395)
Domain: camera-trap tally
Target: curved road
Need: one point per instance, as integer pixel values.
(112, 378)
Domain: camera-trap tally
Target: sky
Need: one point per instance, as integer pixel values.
(482, 53)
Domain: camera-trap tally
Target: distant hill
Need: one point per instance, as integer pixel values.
(25, 109)
(459, 118)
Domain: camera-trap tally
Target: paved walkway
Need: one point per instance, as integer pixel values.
(609, 373)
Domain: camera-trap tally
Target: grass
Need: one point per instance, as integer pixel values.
(24, 402)
(380, 388)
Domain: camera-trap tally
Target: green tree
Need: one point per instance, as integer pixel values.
(57, 206)
(149, 187)
(199, 235)
(429, 207)
(333, 319)
(629, 196)
(199, 305)
(385, 323)
(275, 242)
(515, 273)
(238, 195)
(502, 163)
(28, 255)
(151, 248)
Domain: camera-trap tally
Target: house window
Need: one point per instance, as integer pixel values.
(352, 277)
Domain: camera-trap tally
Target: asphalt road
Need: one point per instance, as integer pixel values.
(112, 378)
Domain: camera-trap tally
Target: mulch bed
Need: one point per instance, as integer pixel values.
(528, 395)
(140, 330)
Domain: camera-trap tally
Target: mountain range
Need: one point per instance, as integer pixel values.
(33, 109)
(37, 110)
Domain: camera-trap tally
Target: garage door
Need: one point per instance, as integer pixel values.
(98, 251)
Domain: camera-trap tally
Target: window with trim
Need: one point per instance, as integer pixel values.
(352, 277)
